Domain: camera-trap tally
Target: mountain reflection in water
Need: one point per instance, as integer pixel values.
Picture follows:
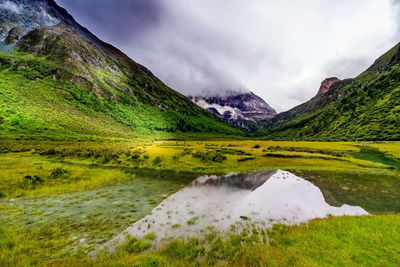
(261, 198)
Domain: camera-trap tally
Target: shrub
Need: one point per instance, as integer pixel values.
(32, 181)
(214, 156)
(150, 236)
(139, 156)
(245, 218)
(185, 152)
(59, 172)
(157, 161)
(49, 152)
(110, 157)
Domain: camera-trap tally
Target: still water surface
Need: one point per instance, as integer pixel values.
(233, 201)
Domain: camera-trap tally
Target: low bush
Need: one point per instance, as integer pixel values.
(31, 181)
(213, 156)
(138, 156)
(59, 173)
(157, 161)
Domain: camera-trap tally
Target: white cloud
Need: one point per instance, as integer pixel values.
(281, 50)
(47, 18)
(10, 6)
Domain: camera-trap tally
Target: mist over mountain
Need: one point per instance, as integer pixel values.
(205, 45)
(58, 77)
(104, 164)
(237, 108)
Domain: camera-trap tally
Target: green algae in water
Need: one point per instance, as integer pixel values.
(374, 155)
(94, 216)
(377, 193)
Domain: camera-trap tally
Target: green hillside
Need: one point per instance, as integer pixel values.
(57, 85)
(364, 108)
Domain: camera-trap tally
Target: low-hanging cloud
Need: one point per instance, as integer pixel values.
(280, 50)
(10, 6)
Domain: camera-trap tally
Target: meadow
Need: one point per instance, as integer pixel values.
(60, 200)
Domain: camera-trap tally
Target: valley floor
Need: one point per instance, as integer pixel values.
(60, 200)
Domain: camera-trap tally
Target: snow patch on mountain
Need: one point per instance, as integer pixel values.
(18, 17)
(236, 106)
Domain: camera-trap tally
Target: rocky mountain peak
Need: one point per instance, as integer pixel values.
(236, 106)
(327, 84)
(19, 17)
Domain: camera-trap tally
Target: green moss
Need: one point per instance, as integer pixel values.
(150, 236)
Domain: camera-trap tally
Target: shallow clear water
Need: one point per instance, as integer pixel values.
(233, 201)
(377, 193)
(92, 217)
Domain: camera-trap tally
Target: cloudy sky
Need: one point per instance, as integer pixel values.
(280, 50)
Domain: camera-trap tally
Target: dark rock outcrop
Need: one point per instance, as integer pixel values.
(327, 84)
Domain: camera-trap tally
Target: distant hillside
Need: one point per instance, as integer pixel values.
(59, 81)
(364, 108)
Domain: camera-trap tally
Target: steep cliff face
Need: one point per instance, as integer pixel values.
(327, 84)
(236, 108)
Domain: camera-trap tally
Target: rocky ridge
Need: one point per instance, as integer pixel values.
(236, 108)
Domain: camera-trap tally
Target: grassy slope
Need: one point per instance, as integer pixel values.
(72, 89)
(365, 109)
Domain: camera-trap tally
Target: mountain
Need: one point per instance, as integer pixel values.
(59, 81)
(366, 107)
(239, 109)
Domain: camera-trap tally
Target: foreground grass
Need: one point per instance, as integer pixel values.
(342, 241)
(35, 172)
